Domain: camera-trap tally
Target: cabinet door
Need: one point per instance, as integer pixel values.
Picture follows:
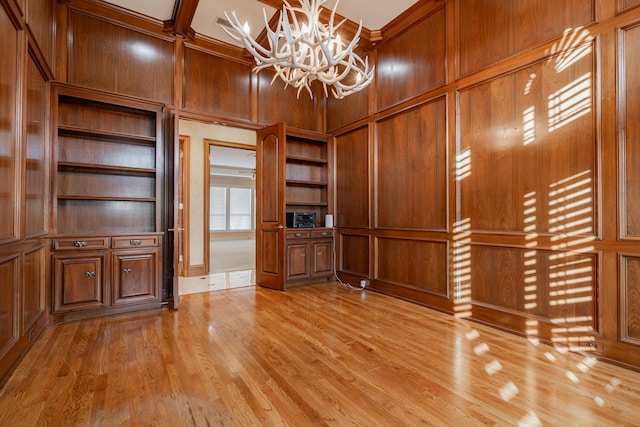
(297, 261)
(78, 282)
(322, 259)
(135, 277)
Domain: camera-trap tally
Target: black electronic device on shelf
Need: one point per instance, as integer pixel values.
(301, 219)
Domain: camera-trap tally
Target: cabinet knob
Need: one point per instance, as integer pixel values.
(298, 234)
(319, 254)
(303, 254)
(126, 270)
(325, 234)
(79, 244)
(135, 242)
(90, 273)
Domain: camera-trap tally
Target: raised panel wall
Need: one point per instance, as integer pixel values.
(347, 110)
(216, 85)
(352, 179)
(411, 168)
(418, 264)
(37, 152)
(630, 298)
(414, 62)
(11, 48)
(354, 250)
(528, 149)
(491, 31)
(630, 132)
(102, 55)
(40, 18)
(559, 287)
(33, 287)
(626, 4)
(276, 104)
(9, 285)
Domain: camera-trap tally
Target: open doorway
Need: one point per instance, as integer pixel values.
(200, 265)
(231, 204)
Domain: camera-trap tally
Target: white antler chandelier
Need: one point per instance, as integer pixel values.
(301, 52)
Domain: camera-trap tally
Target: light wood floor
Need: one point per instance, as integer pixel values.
(315, 355)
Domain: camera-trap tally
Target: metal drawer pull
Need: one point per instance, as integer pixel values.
(298, 234)
(319, 254)
(126, 270)
(135, 242)
(303, 254)
(79, 244)
(325, 234)
(90, 273)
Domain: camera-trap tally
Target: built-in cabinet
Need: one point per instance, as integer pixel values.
(309, 255)
(293, 175)
(108, 161)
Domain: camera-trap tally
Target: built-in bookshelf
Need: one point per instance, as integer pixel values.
(307, 174)
(106, 157)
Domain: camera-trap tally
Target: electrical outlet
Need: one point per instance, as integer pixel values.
(592, 344)
(364, 283)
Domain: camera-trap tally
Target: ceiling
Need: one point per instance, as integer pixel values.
(374, 14)
(229, 161)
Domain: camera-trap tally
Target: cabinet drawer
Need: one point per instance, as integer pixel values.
(134, 242)
(80, 243)
(319, 234)
(300, 234)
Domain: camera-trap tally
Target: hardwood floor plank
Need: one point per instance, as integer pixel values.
(318, 355)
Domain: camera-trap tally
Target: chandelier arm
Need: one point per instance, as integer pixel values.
(360, 85)
(352, 45)
(338, 77)
(249, 43)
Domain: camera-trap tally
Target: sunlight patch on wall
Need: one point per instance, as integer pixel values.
(570, 103)
(574, 45)
(529, 126)
(462, 268)
(463, 164)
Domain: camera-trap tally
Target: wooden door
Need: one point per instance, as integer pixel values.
(271, 207)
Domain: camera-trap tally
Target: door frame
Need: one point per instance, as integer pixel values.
(208, 143)
(184, 151)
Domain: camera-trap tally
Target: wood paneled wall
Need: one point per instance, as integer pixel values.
(498, 163)
(202, 79)
(210, 78)
(400, 58)
(26, 42)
